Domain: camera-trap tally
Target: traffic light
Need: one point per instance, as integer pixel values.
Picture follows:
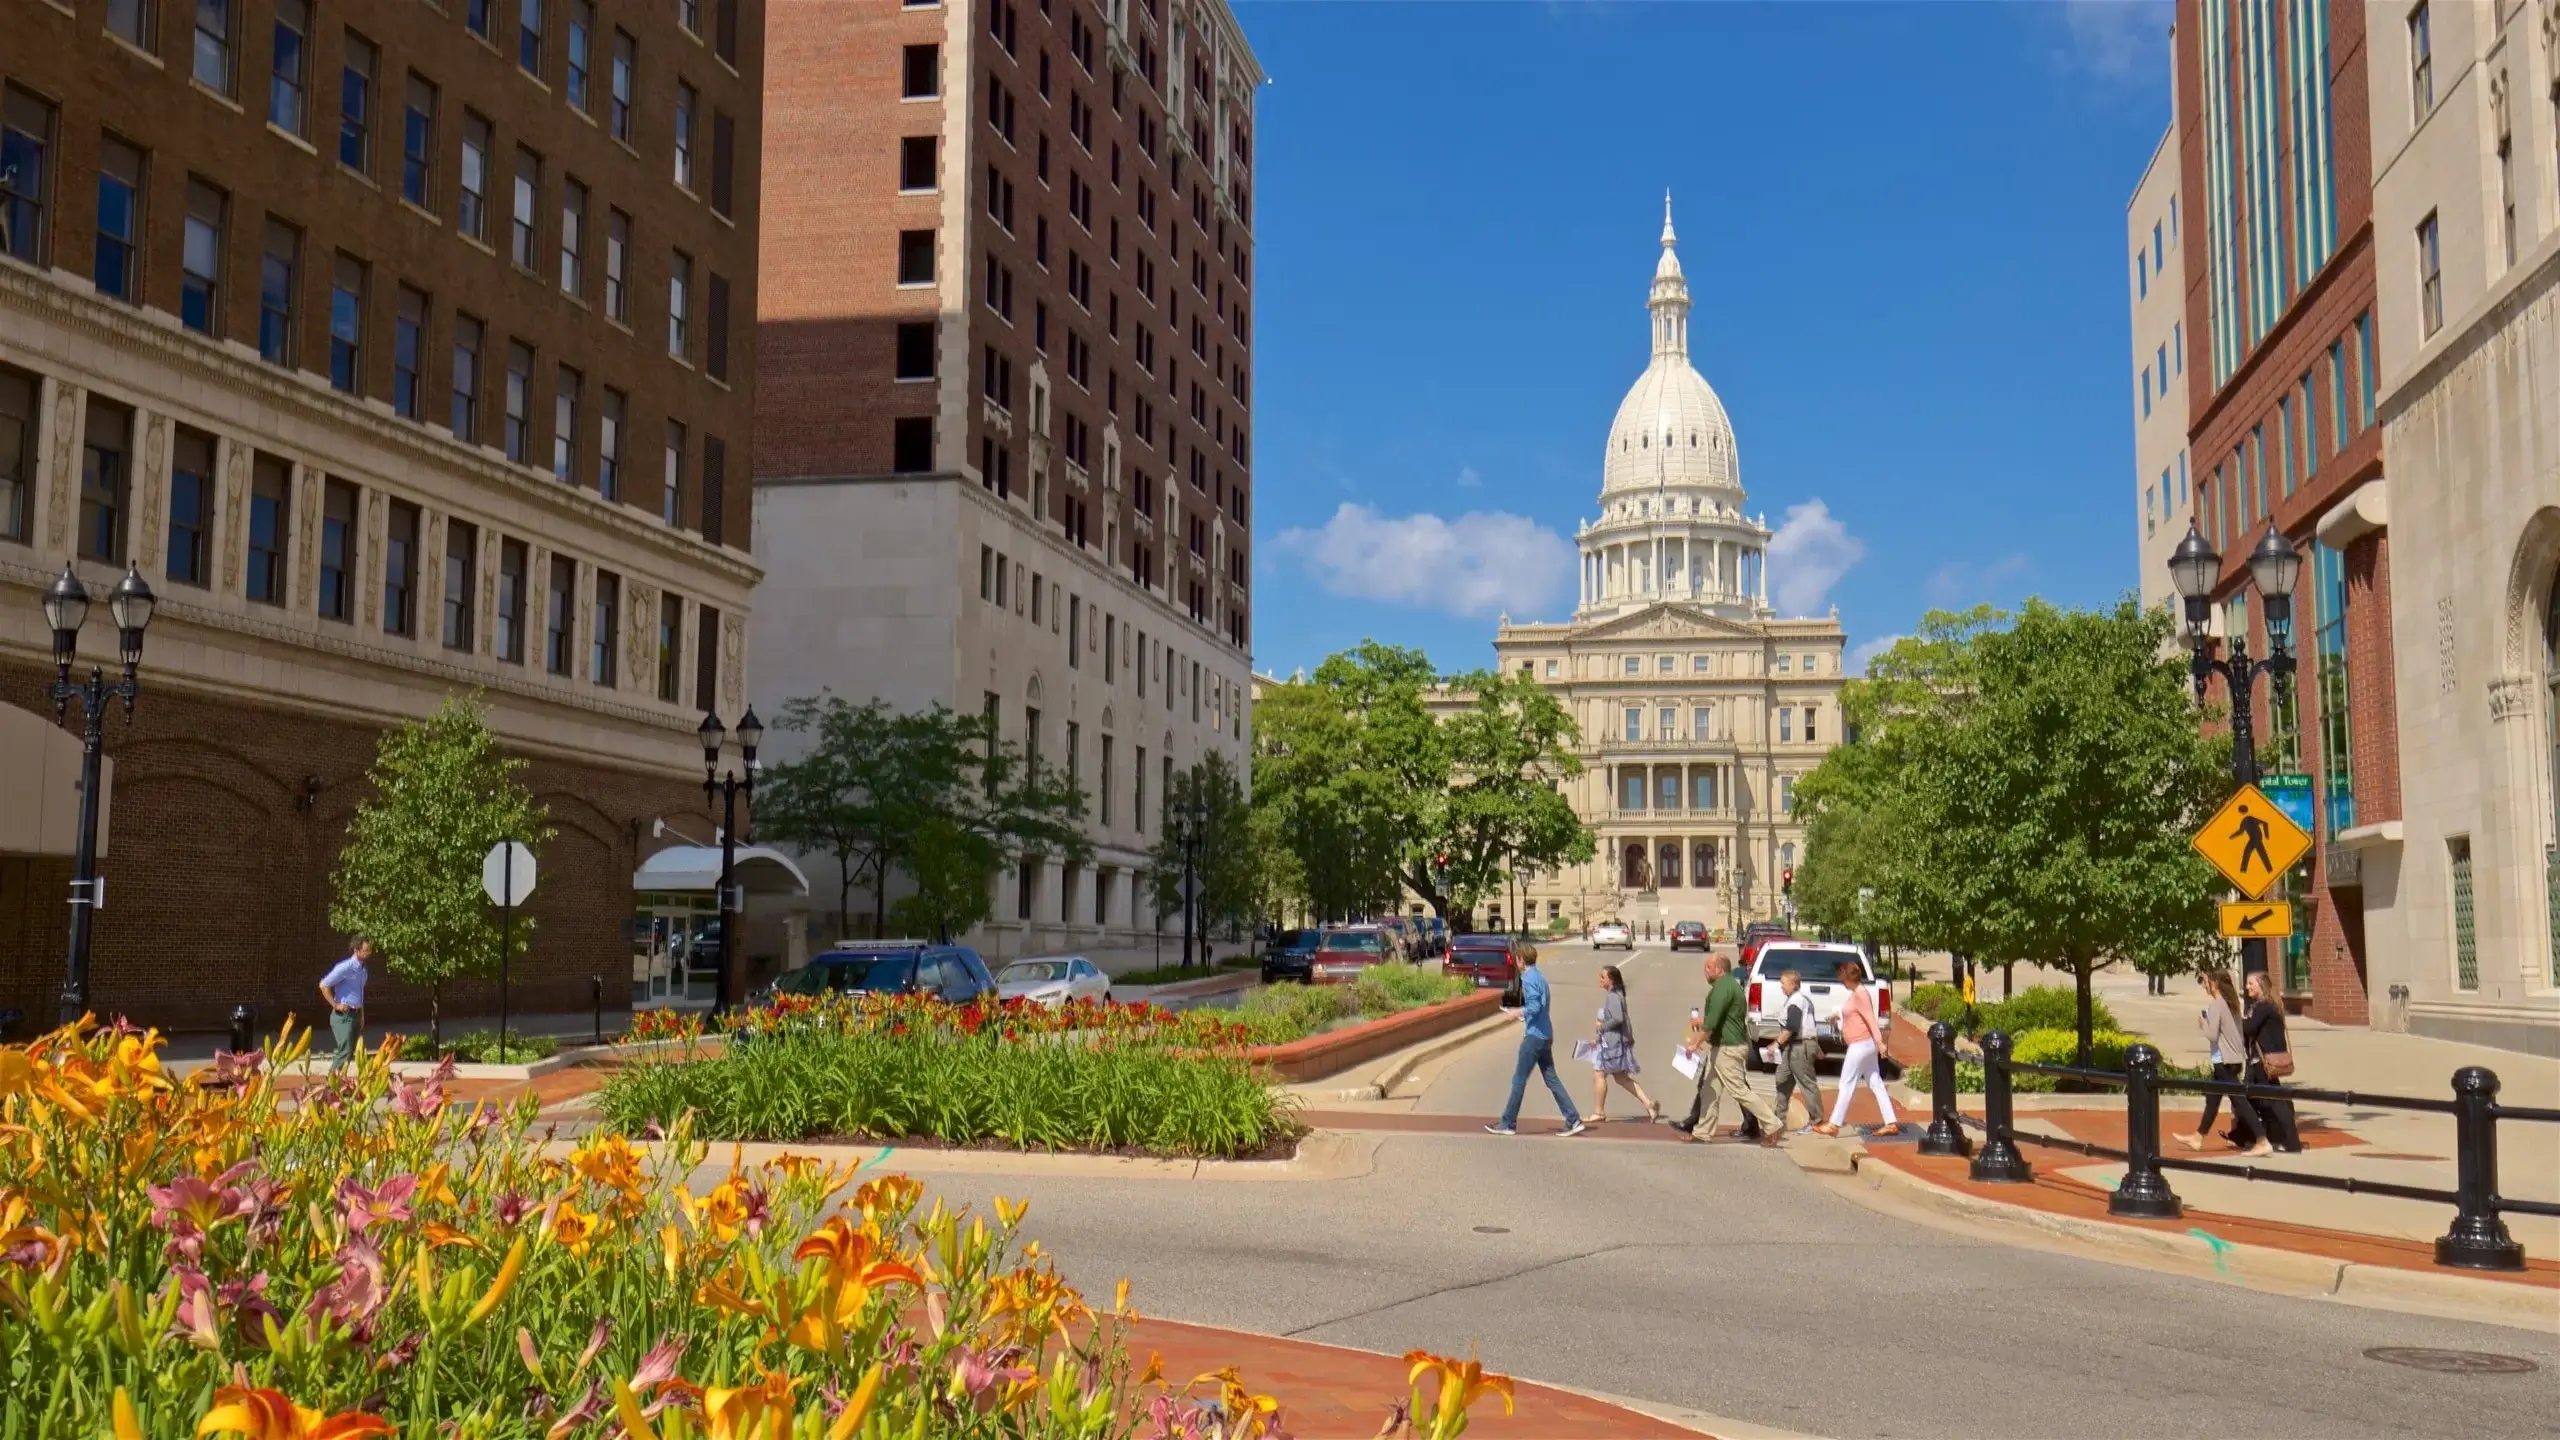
(1787, 881)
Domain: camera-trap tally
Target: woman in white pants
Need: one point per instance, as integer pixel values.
(1864, 1035)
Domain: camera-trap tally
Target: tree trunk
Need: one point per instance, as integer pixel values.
(435, 1014)
(844, 892)
(2008, 975)
(2084, 972)
(880, 897)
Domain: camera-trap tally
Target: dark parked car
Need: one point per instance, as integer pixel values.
(1343, 951)
(1689, 935)
(1492, 960)
(952, 972)
(1757, 934)
(1435, 936)
(1292, 956)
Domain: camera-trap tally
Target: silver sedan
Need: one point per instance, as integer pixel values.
(1053, 980)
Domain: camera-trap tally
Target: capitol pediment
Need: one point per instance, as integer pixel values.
(1669, 619)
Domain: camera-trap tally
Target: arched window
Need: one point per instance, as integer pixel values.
(2551, 745)
(1669, 871)
(1633, 874)
(1703, 865)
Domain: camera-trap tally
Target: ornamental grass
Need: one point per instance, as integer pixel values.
(239, 1253)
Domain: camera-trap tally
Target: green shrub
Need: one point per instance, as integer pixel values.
(480, 1047)
(958, 1090)
(2042, 1007)
(1386, 989)
(1939, 1002)
(1278, 1014)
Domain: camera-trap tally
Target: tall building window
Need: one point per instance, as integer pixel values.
(346, 324)
(679, 304)
(706, 656)
(911, 444)
(603, 640)
(466, 379)
(418, 143)
(618, 85)
(573, 237)
(670, 648)
(517, 441)
(130, 21)
(18, 395)
(512, 559)
(685, 99)
(582, 29)
(2422, 77)
(617, 262)
(408, 353)
(400, 570)
(715, 459)
(26, 158)
(920, 72)
(2430, 278)
(564, 425)
(1702, 788)
(2466, 929)
(560, 614)
(2507, 197)
(715, 344)
(277, 271)
(191, 508)
(270, 526)
(724, 153)
(529, 37)
(915, 257)
(1631, 789)
(2329, 657)
(338, 551)
(2364, 362)
(609, 445)
(213, 45)
(1634, 722)
(461, 583)
(528, 194)
(471, 214)
(120, 194)
(2341, 407)
(671, 497)
(476, 16)
(355, 105)
(1666, 790)
(1786, 723)
(200, 258)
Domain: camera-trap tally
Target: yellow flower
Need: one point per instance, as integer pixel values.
(889, 1195)
(268, 1415)
(571, 1228)
(128, 1425)
(853, 1263)
(754, 1412)
(439, 1235)
(1462, 1383)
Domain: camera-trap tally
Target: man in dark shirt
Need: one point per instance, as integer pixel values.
(1719, 1030)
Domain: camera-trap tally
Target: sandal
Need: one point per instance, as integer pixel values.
(1653, 1116)
(2192, 1142)
(1893, 1129)
(1826, 1128)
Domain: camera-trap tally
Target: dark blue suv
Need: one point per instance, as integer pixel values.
(951, 972)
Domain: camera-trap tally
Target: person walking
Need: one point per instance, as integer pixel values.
(343, 989)
(1537, 1051)
(1799, 1050)
(1718, 1029)
(1613, 1050)
(2269, 1060)
(1863, 1033)
(2220, 1022)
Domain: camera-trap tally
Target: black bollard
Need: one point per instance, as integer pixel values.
(2144, 1193)
(1945, 1135)
(2479, 1238)
(244, 1029)
(1999, 1161)
(596, 983)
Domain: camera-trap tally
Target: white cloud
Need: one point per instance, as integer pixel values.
(2115, 39)
(1960, 581)
(1807, 556)
(1478, 564)
(1859, 657)
(1468, 479)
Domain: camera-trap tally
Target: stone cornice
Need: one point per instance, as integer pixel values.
(157, 336)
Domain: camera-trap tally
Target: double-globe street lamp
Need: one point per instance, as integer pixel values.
(727, 788)
(66, 609)
(2273, 566)
(1190, 829)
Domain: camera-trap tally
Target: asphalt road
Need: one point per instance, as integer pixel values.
(1726, 1280)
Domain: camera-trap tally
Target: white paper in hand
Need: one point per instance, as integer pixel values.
(1584, 1049)
(1686, 1062)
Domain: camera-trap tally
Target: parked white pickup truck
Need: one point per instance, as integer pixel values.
(1817, 967)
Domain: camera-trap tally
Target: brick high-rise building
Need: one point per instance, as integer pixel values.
(403, 348)
(1002, 449)
(2275, 175)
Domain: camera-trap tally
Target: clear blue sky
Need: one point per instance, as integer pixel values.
(1903, 227)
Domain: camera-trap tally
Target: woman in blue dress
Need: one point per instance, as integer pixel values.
(1613, 1049)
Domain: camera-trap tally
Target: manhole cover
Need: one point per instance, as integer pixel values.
(2451, 1362)
(1505, 1230)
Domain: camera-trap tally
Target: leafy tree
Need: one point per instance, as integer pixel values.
(1230, 868)
(408, 878)
(950, 866)
(875, 782)
(2022, 789)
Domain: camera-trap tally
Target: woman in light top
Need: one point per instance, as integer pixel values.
(1613, 1055)
(2220, 1022)
(1863, 1033)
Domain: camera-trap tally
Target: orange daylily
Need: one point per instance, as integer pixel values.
(1462, 1383)
(853, 1263)
(753, 1412)
(571, 1227)
(439, 1235)
(269, 1415)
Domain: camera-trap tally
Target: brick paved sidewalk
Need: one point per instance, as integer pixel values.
(1330, 1393)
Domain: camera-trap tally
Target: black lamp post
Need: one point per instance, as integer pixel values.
(1190, 826)
(2273, 566)
(66, 609)
(727, 788)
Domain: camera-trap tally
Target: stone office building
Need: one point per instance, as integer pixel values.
(402, 349)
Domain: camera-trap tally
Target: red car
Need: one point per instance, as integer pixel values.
(1343, 951)
(1493, 961)
(1756, 935)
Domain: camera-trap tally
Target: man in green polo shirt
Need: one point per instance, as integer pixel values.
(1719, 1030)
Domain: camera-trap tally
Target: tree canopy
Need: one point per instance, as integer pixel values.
(1231, 870)
(2021, 788)
(408, 878)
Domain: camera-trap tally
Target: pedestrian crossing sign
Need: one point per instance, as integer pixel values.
(2252, 842)
(2257, 919)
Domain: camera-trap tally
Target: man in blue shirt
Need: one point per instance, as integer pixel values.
(343, 989)
(1537, 1050)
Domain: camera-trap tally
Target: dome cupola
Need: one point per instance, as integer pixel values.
(1671, 430)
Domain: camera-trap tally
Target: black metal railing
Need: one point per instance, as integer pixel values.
(2478, 1239)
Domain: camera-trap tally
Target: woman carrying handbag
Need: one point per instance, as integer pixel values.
(1613, 1050)
(2270, 1060)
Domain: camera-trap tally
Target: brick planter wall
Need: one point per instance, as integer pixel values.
(1339, 1050)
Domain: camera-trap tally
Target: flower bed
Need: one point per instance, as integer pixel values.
(223, 1256)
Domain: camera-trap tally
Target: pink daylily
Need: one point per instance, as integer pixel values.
(367, 1208)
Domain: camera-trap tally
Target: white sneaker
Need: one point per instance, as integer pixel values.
(1499, 1129)
(1576, 1128)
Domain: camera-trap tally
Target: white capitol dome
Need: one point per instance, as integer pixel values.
(1671, 429)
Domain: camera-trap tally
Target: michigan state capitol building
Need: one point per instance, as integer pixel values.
(1699, 705)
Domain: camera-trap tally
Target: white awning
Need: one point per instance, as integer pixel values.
(761, 871)
(40, 785)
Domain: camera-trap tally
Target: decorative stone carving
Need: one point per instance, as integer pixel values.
(66, 459)
(2448, 668)
(640, 637)
(153, 482)
(234, 461)
(306, 505)
(733, 661)
(2501, 123)
(484, 621)
(429, 583)
(2511, 697)
(375, 534)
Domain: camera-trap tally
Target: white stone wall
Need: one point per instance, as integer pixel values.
(2155, 283)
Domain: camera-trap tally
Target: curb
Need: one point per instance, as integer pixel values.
(1322, 1155)
(1405, 1063)
(2201, 1255)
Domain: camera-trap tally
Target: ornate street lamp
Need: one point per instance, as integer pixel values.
(66, 609)
(1190, 828)
(2273, 567)
(727, 788)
